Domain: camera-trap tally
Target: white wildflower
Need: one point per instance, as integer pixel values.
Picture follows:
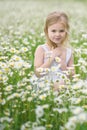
(2, 119)
(82, 117)
(39, 128)
(77, 110)
(57, 59)
(39, 111)
(43, 96)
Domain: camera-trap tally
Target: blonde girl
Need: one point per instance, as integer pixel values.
(54, 56)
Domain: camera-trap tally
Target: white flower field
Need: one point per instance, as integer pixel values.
(24, 106)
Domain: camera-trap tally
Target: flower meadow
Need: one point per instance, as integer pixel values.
(25, 103)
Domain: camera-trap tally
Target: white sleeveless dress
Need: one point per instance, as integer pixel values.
(56, 73)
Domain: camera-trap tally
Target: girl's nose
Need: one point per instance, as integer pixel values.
(57, 33)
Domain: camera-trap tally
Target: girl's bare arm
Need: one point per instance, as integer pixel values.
(39, 60)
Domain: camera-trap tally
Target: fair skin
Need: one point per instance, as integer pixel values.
(57, 34)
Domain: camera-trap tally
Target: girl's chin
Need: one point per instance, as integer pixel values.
(58, 43)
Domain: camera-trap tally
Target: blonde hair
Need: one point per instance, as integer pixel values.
(53, 18)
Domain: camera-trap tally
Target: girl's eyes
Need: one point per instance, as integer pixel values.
(62, 30)
(53, 30)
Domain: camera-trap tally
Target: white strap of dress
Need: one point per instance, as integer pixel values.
(68, 55)
(44, 47)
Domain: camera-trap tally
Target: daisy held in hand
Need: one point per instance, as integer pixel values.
(55, 54)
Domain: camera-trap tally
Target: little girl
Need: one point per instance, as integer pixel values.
(54, 58)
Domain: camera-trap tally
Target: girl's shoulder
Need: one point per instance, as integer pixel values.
(43, 47)
(68, 53)
(39, 50)
(39, 47)
(69, 50)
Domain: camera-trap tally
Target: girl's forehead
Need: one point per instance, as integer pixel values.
(56, 25)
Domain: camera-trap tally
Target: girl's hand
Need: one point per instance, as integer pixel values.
(63, 66)
(56, 53)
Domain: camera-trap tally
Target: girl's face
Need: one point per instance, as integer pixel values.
(57, 33)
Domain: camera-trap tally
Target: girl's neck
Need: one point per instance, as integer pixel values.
(52, 47)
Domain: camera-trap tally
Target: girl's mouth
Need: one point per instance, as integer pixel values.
(58, 38)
